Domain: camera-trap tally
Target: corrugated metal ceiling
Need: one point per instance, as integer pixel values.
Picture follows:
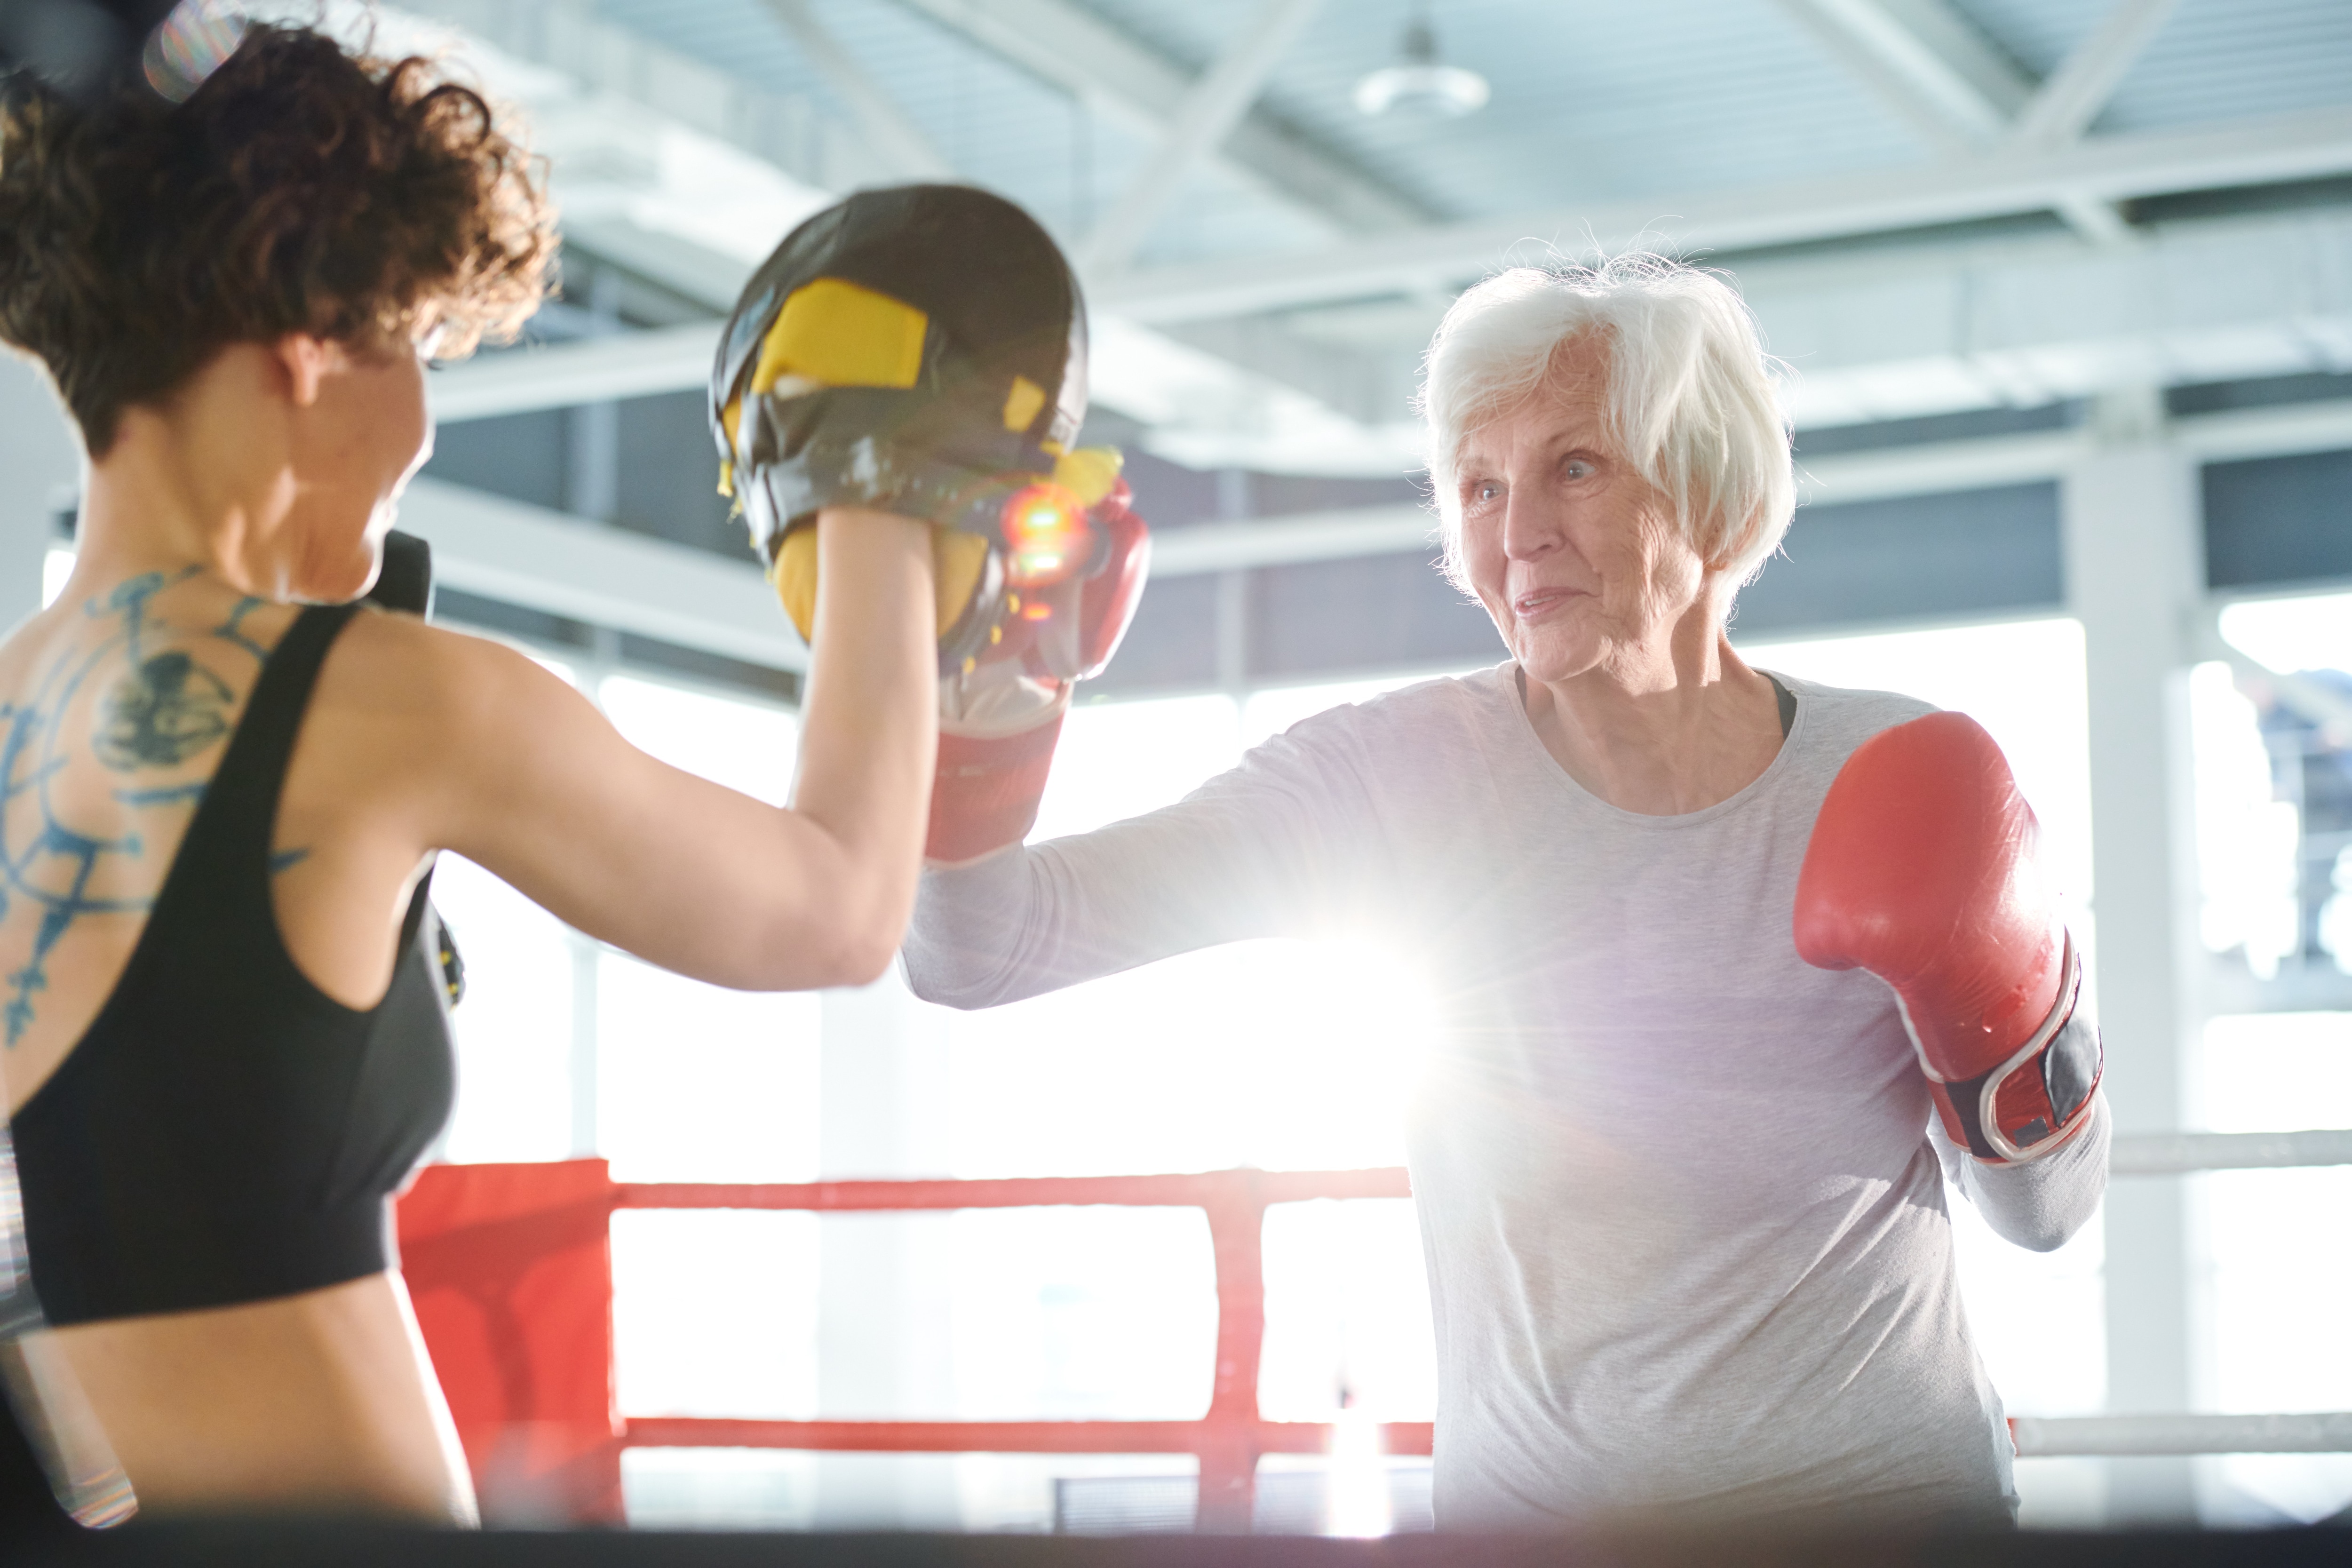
(1592, 101)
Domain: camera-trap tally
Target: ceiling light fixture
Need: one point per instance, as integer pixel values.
(1417, 81)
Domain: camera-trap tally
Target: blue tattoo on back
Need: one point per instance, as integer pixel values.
(160, 709)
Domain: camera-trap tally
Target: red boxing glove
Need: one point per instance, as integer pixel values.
(1001, 716)
(1921, 870)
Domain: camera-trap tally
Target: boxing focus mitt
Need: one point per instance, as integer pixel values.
(1001, 711)
(920, 350)
(1921, 870)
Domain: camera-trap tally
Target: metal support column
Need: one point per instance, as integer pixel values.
(2135, 572)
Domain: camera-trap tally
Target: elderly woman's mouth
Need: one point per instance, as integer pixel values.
(1538, 602)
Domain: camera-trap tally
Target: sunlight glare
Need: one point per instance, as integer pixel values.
(56, 567)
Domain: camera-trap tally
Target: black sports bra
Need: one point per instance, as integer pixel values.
(225, 1132)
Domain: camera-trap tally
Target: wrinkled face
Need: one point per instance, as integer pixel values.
(355, 450)
(1575, 555)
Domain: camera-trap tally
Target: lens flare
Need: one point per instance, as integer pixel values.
(1046, 535)
(193, 41)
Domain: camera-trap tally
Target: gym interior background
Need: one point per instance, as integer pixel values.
(2065, 287)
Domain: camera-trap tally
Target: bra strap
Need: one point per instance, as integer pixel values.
(234, 828)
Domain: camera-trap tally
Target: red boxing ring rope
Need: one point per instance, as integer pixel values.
(510, 1269)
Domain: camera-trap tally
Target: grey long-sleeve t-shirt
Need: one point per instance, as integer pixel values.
(1681, 1201)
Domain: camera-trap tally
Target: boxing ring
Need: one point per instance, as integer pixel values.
(510, 1269)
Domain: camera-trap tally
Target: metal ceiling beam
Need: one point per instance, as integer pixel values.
(2193, 301)
(593, 370)
(1928, 63)
(1286, 541)
(1933, 67)
(2062, 108)
(1116, 76)
(2008, 181)
(541, 560)
(1211, 109)
(2072, 96)
(898, 139)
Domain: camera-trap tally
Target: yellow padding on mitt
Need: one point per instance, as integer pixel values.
(1090, 473)
(839, 334)
(795, 580)
(957, 561)
(1023, 403)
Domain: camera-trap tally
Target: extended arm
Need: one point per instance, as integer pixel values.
(1274, 847)
(514, 769)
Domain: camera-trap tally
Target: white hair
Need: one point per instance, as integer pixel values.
(1691, 399)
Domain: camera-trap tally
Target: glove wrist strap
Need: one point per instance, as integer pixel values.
(2031, 1104)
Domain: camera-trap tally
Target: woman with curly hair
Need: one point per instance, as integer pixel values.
(222, 780)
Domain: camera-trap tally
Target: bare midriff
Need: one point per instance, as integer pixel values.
(320, 1402)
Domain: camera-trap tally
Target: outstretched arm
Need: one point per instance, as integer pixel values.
(520, 773)
(1276, 847)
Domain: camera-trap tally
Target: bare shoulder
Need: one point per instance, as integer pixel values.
(401, 668)
(416, 725)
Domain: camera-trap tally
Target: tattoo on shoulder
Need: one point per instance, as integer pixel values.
(163, 712)
(147, 698)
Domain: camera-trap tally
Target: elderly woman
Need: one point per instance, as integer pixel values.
(1681, 1198)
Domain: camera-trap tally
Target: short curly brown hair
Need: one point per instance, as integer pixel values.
(301, 188)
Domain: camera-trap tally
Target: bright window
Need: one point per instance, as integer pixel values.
(2273, 1276)
(745, 746)
(2275, 821)
(697, 1083)
(1083, 1313)
(715, 1313)
(1116, 760)
(515, 1028)
(2275, 738)
(2248, 840)
(2304, 633)
(2023, 680)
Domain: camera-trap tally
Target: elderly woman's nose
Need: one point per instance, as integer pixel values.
(1530, 528)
